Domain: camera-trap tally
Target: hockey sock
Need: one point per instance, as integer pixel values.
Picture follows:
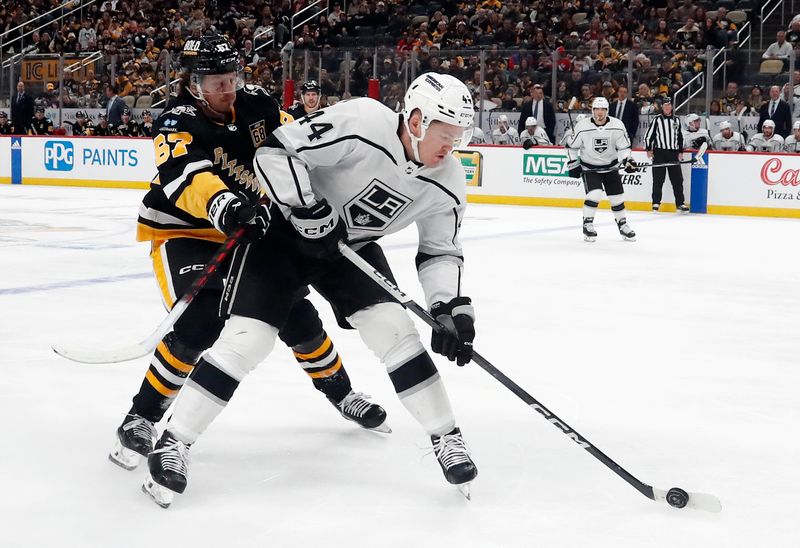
(422, 392)
(320, 360)
(172, 362)
(591, 202)
(617, 206)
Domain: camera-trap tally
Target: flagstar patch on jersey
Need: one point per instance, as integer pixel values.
(600, 144)
(375, 207)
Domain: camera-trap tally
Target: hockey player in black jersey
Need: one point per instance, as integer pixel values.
(6, 127)
(128, 127)
(103, 129)
(82, 125)
(40, 124)
(205, 189)
(310, 100)
(146, 127)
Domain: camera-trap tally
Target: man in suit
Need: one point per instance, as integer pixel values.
(624, 109)
(541, 109)
(21, 110)
(777, 110)
(114, 106)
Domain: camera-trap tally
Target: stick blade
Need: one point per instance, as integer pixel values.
(700, 152)
(98, 355)
(697, 501)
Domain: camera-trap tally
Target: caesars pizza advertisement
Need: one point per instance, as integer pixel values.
(770, 181)
(539, 176)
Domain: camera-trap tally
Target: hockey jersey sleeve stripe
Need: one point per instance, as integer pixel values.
(194, 199)
(177, 184)
(272, 194)
(296, 181)
(441, 187)
(348, 138)
(425, 260)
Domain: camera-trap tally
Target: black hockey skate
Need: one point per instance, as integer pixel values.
(627, 232)
(135, 438)
(589, 233)
(453, 456)
(683, 208)
(656, 206)
(357, 408)
(168, 464)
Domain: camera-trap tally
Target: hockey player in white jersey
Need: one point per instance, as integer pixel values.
(479, 137)
(694, 135)
(601, 142)
(792, 142)
(504, 134)
(357, 171)
(727, 139)
(767, 140)
(533, 135)
(568, 133)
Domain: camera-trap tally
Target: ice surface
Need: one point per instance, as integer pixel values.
(676, 355)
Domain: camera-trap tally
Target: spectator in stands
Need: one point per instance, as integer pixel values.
(780, 49)
(644, 99)
(789, 97)
(22, 105)
(793, 36)
(625, 109)
(541, 109)
(689, 33)
(114, 106)
(729, 100)
(756, 99)
(777, 110)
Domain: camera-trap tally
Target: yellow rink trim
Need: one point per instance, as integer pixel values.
(754, 211)
(557, 202)
(143, 185)
(5, 180)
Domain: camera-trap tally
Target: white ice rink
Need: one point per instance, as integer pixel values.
(677, 355)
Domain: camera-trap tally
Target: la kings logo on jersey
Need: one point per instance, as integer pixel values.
(375, 207)
(600, 144)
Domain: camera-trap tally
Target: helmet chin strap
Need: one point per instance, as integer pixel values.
(415, 140)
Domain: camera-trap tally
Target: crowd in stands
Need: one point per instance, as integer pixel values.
(588, 43)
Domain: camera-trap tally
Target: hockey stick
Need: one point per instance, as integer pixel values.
(137, 350)
(697, 158)
(675, 496)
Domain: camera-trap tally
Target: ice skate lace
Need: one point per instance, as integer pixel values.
(355, 404)
(142, 428)
(451, 450)
(174, 456)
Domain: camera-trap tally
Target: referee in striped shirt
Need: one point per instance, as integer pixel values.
(664, 143)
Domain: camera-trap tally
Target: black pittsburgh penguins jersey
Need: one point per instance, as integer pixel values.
(86, 128)
(131, 129)
(104, 131)
(197, 157)
(41, 127)
(7, 128)
(297, 111)
(146, 129)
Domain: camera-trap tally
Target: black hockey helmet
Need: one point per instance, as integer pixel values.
(310, 85)
(126, 111)
(38, 109)
(3, 114)
(146, 112)
(210, 54)
(80, 114)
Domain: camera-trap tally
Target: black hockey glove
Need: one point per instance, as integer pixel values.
(527, 143)
(227, 212)
(458, 317)
(320, 228)
(629, 166)
(574, 169)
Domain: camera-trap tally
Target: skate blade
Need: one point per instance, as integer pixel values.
(465, 489)
(589, 238)
(383, 428)
(160, 495)
(629, 238)
(124, 457)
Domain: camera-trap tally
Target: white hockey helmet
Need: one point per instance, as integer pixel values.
(796, 126)
(724, 125)
(531, 121)
(600, 102)
(768, 123)
(692, 118)
(439, 97)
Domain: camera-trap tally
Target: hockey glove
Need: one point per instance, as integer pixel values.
(527, 143)
(227, 212)
(455, 342)
(574, 169)
(629, 166)
(320, 228)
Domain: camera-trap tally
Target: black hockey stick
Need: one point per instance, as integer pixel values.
(695, 159)
(97, 355)
(675, 497)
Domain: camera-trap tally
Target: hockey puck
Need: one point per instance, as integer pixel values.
(677, 497)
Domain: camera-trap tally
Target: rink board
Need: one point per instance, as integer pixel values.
(757, 184)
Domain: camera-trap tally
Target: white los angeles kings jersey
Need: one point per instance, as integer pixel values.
(693, 139)
(507, 137)
(351, 155)
(599, 146)
(759, 143)
(734, 142)
(539, 137)
(791, 144)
